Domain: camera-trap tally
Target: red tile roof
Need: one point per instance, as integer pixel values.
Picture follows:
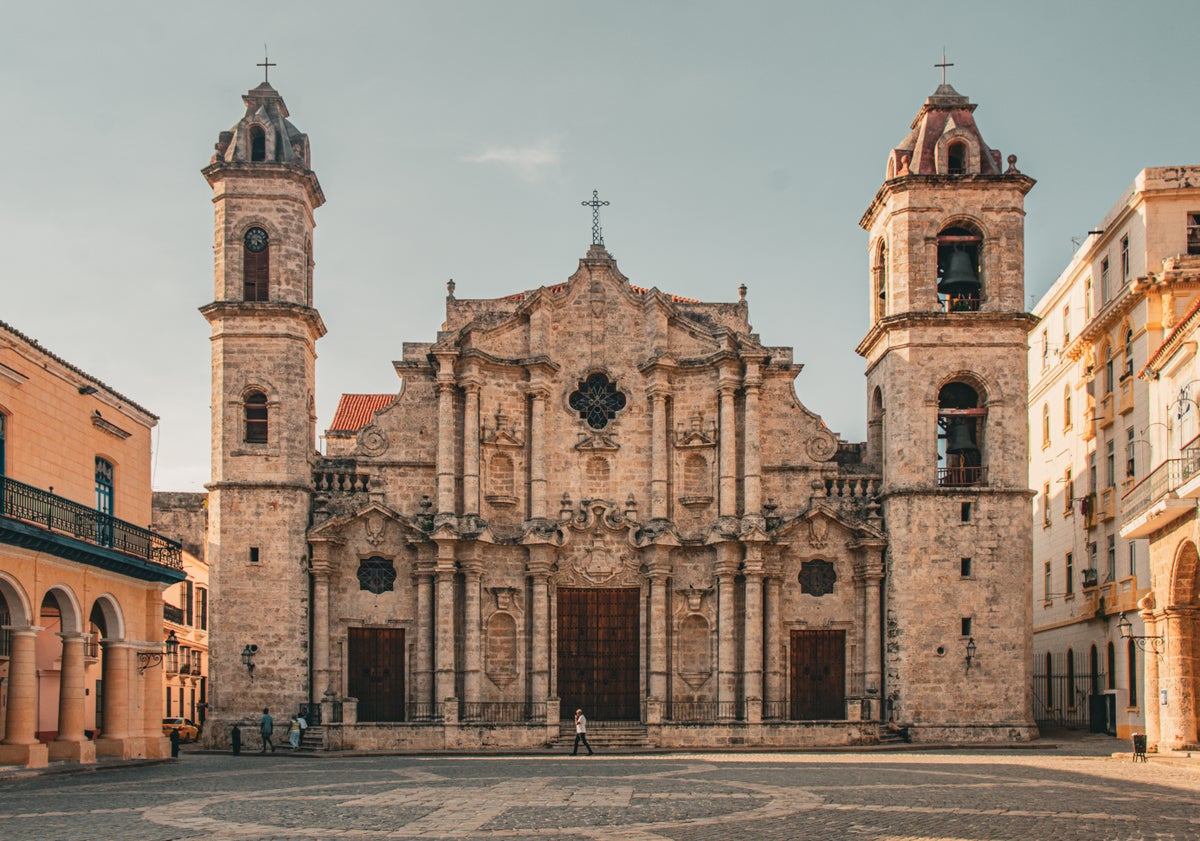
(355, 411)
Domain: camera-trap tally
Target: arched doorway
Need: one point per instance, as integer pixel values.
(1179, 672)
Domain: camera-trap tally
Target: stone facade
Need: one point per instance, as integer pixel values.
(599, 495)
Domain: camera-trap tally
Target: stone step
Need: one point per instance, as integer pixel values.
(608, 736)
(313, 739)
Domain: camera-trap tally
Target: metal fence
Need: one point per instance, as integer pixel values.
(1065, 699)
(502, 712)
(23, 502)
(705, 712)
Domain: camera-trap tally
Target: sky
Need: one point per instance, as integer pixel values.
(738, 142)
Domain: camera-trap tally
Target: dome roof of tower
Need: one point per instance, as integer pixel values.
(944, 140)
(264, 134)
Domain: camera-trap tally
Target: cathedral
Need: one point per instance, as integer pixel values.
(598, 495)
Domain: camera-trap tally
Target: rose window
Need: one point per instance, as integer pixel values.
(597, 400)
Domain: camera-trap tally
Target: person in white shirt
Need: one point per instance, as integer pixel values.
(581, 733)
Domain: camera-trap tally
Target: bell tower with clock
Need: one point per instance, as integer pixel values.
(264, 335)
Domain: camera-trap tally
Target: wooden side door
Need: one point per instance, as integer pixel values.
(818, 675)
(376, 673)
(599, 653)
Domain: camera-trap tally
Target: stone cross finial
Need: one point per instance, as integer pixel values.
(944, 65)
(266, 64)
(595, 204)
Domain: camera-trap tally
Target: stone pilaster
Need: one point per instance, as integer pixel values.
(658, 577)
(444, 624)
(727, 451)
(658, 454)
(445, 440)
(424, 689)
(728, 634)
(752, 447)
(537, 454)
(538, 569)
(471, 448)
(472, 666)
(773, 680)
(752, 635)
(322, 566)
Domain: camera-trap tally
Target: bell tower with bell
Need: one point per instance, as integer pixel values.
(946, 392)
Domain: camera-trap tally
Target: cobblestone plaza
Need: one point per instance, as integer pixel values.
(1075, 791)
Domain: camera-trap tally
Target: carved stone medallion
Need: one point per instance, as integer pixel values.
(817, 578)
(372, 441)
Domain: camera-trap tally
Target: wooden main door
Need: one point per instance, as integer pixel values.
(376, 675)
(818, 667)
(598, 653)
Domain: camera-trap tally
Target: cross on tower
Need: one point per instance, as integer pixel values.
(595, 204)
(266, 64)
(944, 65)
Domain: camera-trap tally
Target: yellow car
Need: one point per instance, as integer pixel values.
(188, 732)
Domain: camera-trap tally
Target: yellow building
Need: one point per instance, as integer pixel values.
(81, 577)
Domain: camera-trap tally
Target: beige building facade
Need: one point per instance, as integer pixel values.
(81, 577)
(598, 495)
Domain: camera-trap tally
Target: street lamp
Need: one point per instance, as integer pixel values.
(1125, 628)
(970, 652)
(248, 657)
(147, 659)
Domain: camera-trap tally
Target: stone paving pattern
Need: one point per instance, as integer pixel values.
(1076, 792)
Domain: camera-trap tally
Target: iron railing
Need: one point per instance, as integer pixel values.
(776, 710)
(423, 711)
(1160, 481)
(961, 477)
(502, 712)
(28, 504)
(961, 303)
(705, 712)
(171, 613)
(1065, 700)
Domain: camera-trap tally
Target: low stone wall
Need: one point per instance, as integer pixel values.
(791, 734)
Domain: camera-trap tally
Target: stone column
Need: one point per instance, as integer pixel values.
(117, 700)
(322, 566)
(537, 455)
(727, 632)
(472, 616)
(1178, 724)
(752, 449)
(659, 579)
(658, 454)
(444, 624)
(445, 445)
(20, 723)
(773, 689)
(872, 575)
(20, 745)
(752, 658)
(538, 569)
(471, 449)
(424, 690)
(150, 727)
(727, 452)
(1150, 684)
(70, 689)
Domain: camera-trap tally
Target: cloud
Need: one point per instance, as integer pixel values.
(530, 163)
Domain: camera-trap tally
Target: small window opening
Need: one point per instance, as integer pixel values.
(956, 156)
(1070, 574)
(1193, 233)
(256, 418)
(959, 288)
(253, 554)
(964, 567)
(965, 512)
(966, 626)
(258, 144)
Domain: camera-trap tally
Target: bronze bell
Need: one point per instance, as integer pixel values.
(960, 438)
(959, 279)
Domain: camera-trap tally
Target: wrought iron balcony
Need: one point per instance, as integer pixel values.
(962, 477)
(1161, 481)
(57, 514)
(171, 613)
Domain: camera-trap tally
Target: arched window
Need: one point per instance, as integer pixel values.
(879, 303)
(1049, 681)
(1067, 420)
(1132, 675)
(256, 264)
(1069, 701)
(1045, 425)
(961, 424)
(1094, 671)
(256, 418)
(1127, 367)
(956, 157)
(1107, 355)
(959, 263)
(104, 501)
(258, 143)
(1111, 682)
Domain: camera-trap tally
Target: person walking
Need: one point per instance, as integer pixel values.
(175, 743)
(266, 725)
(294, 732)
(581, 733)
(235, 740)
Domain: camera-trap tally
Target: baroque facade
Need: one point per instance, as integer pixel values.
(598, 495)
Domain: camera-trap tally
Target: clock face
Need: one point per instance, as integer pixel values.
(256, 239)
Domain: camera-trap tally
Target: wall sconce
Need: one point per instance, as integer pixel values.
(248, 657)
(146, 659)
(1125, 627)
(970, 652)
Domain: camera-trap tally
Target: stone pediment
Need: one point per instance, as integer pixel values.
(379, 522)
(821, 524)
